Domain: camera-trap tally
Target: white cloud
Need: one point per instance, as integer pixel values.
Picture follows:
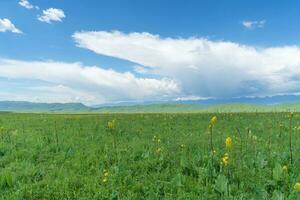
(52, 14)
(65, 82)
(254, 24)
(7, 25)
(48, 94)
(202, 67)
(27, 4)
(190, 98)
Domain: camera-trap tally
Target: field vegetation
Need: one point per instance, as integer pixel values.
(150, 156)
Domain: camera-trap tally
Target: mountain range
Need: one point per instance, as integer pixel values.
(244, 104)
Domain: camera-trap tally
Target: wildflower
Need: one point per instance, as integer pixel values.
(154, 138)
(105, 175)
(254, 137)
(105, 172)
(297, 186)
(158, 141)
(158, 150)
(213, 121)
(182, 146)
(110, 125)
(225, 159)
(291, 115)
(285, 168)
(214, 151)
(228, 142)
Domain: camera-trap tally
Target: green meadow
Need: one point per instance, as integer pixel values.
(150, 156)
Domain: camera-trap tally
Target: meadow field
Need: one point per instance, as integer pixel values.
(150, 156)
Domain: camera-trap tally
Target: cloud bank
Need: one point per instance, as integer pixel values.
(52, 81)
(180, 69)
(202, 67)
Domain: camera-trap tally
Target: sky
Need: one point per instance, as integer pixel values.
(107, 51)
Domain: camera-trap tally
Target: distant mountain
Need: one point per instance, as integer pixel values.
(245, 104)
(23, 106)
(196, 108)
(268, 100)
(154, 108)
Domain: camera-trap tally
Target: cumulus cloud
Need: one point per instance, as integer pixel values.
(254, 24)
(202, 67)
(7, 25)
(49, 94)
(52, 14)
(73, 82)
(26, 4)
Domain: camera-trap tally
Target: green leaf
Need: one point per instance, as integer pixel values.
(177, 180)
(277, 172)
(277, 195)
(183, 161)
(8, 178)
(221, 184)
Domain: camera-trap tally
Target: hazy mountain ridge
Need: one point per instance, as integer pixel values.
(24, 106)
(267, 104)
(194, 108)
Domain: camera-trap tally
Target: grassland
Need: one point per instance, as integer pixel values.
(149, 156)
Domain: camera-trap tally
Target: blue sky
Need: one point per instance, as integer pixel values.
(117, 50)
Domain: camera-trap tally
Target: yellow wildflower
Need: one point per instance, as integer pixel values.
(297, 186)
(285, 168)
(110, 125)
(228, 142)
(105, 175)
(158, 150)
(225, 159)
(213, 121)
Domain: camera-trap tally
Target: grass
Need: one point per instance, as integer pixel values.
(148, 156)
